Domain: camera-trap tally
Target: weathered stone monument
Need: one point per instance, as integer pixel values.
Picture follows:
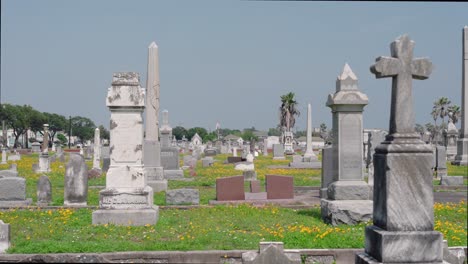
(348, 194)
(278, 152)
(97, 150)
(327, 171)
(36, 147)
(182, 196)
(169, 154)
(4, 236)
(441, 161)
(450, 138)
(462, 144)
(403, 216)
(152, 149)
(44, 162)
(271, 252)
(126, 200)
(12, 189)
(76, 182)
(44, 191)
(4, 156)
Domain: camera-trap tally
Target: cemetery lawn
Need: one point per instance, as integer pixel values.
(203, 228)
(223, 227)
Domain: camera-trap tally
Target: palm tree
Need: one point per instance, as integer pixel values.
(288, 111)
(455, 110)
(442, 104)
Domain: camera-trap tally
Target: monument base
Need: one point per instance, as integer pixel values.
(306, 165)
(173, 174)
(158, 185)
(348, 212)
(26, 202)
(401, 246)
(349, 190)
(323, 193)
(126, 217)
(65, 203)
(363, 258)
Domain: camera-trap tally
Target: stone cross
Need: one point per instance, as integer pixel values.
(402, 68)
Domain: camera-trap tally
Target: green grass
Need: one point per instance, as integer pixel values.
(221, 227)
(453, 170)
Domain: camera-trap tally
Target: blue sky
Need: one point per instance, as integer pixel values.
(226, 61)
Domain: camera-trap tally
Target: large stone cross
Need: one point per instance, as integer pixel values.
(402, 68)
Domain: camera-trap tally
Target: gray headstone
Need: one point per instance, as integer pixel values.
(36, 147)
(207, 162)
(44, 190)
(403, 216)
(170, 158)
(278, 151)
(441, 157)
(249, 175)
(105, 152)
(451, 180)
(4, 236)
(105, 164)
(8, 173)
(12, 189)
(182, 196)
(76, 181)
(327, 171)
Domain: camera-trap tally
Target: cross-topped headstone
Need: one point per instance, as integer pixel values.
(402, 68)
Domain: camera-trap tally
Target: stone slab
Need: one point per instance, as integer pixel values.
(126, 217)
(243, 166)
(4, 236)
(271, 253)
(306, 165)
(173, 174)
(207, 162)
(230, 188)
(451, 180)
(12, 189)
(404, 246)
(279, 187)
(158, 186)
(170, 158)
(255, 186)
(234, 159)
(182, 196)
(441, 157)
(348, 190)
(8, 173)
(349, 212)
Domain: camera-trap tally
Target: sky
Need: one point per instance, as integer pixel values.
(223, 61)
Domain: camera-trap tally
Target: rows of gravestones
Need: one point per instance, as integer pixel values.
(398, 195)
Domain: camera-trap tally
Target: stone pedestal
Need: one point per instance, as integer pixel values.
(403, 210)
(44, 163)
(126, 200)
(346, 157)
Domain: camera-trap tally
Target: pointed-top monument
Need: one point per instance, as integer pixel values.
(152, 148)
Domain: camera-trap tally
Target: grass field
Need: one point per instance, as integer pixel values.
(36, 230)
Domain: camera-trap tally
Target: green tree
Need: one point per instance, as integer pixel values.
(248, 135)
(62, 138)
(288, 111)
(103, 132)
(56, 123)
(212, 136)
(179, 132)
(200, 130)
(83, 128)
(274, 132)
(456, 113)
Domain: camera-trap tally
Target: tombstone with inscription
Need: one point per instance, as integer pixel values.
(348, 194)
(44, 191)
(4, 236)
(288, 143)
(126, 200)
(278, 152)
(403, 213)
(169, 154)
(12, 189)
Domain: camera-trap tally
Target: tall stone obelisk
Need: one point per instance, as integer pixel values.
(309, 154)
(462, 144)
(152, 148)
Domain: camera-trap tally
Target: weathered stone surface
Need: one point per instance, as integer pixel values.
(453, 255)
(170, 158)
(4, 236)
(182, 196)
(451, 180)
(44, 163)
(327, 171)
(271, 253)
(243, 166)
(12, 189)
(254, 186)
(8, 173)
(105, 164)
(207, 162)
(44, 190)
(349, 212)
(348, 190)
(279, 187)
(76, 181)
(209, 152)
(403, 216)
(14, 157)
(97, 150)
(230, 188)
(173, 174)
(278, 151)
(249, 175)
(127, 217)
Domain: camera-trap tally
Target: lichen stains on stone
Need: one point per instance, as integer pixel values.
(138, 147)
(113, 124)
(113, 97)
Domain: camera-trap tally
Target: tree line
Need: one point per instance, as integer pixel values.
(20, 118)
